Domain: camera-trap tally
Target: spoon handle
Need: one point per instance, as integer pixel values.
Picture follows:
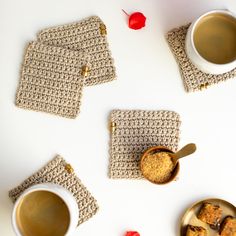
(185, 151)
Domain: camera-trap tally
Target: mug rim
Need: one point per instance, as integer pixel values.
(40, 187)
(225, 12)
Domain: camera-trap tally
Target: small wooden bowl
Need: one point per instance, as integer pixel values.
(154, 150)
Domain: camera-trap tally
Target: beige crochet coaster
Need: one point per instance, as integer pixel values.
(132, 132)
(57, 171)
(193, 78)
(89, 35)
(52, 80)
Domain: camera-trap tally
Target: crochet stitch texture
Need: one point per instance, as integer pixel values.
(56, 172)
(51, 80)
(89, 35)
(193, 78)
(133, 133)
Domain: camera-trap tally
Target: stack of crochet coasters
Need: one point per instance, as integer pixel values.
(51, 80)
(89, 35)
(57, 171)
(58, 65)
(132, 132)
(193, 78)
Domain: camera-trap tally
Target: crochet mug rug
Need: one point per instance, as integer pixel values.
(132, 132)
(52, 80)
(193, 78)
(57, 171)
(90, 35)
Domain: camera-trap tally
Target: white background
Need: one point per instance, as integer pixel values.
(148, 78)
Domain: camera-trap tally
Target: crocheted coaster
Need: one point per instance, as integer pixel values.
(132, 132)
(57, 171)
(52, 80)
(89, 35)
(193, 78)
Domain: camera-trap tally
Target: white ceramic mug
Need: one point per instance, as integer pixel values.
(192, 53)
(62, 193)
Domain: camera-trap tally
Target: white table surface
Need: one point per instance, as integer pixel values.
(148, 78)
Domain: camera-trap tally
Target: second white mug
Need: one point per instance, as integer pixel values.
(45, 210)
(216, 37)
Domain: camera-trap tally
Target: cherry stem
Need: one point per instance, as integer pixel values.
(125, 12)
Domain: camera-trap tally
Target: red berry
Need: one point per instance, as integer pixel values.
(137, 20)
(132, 233)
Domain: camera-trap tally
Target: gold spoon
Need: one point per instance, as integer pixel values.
(184, 151)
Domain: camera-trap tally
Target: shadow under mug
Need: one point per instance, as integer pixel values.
(45, 209)
(213, 34)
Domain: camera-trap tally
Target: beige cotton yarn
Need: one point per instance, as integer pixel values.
(57, 171)
(51, 80)
(90, 35)
(132, 132)
(193, 78)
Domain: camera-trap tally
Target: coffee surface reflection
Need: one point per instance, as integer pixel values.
(42, 213)
(215, 38)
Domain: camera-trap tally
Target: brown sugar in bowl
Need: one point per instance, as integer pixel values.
(154, 150)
